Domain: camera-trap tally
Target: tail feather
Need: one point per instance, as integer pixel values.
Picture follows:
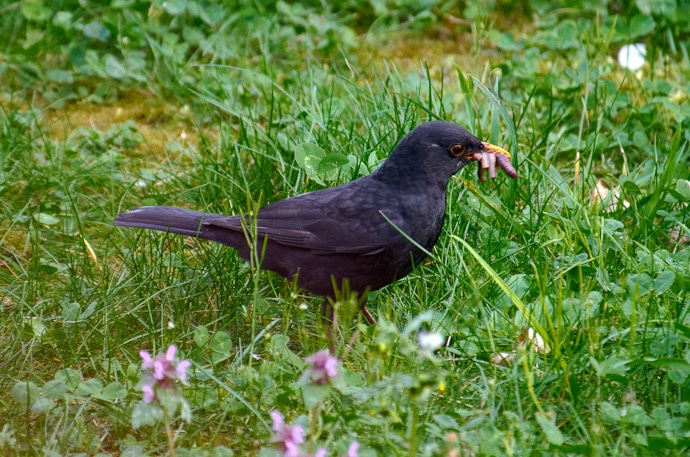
(180, 221)
(163, 218)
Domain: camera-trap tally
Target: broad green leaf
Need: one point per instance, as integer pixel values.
(315, 394)
(636, 415)
(641, 25)
(96, 30)
(35, 10)
(174, 7)
(46, 219)
(222, 451)
(90, 387)
(25, 392)
(37, 326)
(133, 450)
(683, 188)
(664, 281)
(553, 434)
(146, 414)
(657, 7)
(63, 19)
(670, 362)
(60, 76)
(42, 405)
(114, 68)
(54, 389)
(639, 284)
(201, 336)
(446, 422)
(278, 347)
(308, 156)
(70, 376)
(220, 345)
(114, 391)
(261, 305)
(75, 312)
(332, 162)
(678, 376)
(609, 413)
(611, 367)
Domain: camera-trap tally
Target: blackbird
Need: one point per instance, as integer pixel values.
(359, 231)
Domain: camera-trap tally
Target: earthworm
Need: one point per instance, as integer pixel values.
(505, 165)
(488, 161)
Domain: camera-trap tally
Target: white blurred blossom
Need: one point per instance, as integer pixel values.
(431, 341)
(631, 56)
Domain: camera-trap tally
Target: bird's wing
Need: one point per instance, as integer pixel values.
(325, 222)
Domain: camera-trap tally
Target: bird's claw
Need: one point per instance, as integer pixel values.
(488, 160)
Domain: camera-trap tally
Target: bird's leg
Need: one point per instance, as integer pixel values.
(365, 311)
(329, 318)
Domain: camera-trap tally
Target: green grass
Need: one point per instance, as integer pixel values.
(256, 89)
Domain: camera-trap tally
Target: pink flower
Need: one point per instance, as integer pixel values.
(161, 372)
(181, 370)
(149, 394)
(163, 367)
(148, 361)
(323, 367)
(288, 437)
(352, 450)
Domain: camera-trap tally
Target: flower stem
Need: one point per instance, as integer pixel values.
(412, 430)
(168, 432)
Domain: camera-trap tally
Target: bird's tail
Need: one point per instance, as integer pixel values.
(176, 220)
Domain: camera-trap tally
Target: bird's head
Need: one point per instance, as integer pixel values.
(441, 149)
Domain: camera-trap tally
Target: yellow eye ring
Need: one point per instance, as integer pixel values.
(457, 150)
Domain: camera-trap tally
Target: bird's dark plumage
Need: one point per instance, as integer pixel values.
(341, 232)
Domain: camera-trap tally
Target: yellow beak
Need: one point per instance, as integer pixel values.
(497, 149)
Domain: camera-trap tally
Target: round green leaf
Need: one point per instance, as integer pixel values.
(664, 281)
(114, 391)
(683, 188)
(97, 31)
(220, 345)
(35, 10)
(54, 389)
(308, 156)
(114, 67)
(641, 25)
(60, 76)
(46, 219)
(69, 376)
(146, 414)
(201, 336)
(25, 392)
(90, 387)
(174, 7)
(42, 405)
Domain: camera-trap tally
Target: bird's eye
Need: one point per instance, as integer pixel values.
(457, 150)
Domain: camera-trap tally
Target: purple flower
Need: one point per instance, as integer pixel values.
(352, 450)
(323, 367)
(148, 361)
(149, 394)
(161, 372)
(288, 437)
(163, 367)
